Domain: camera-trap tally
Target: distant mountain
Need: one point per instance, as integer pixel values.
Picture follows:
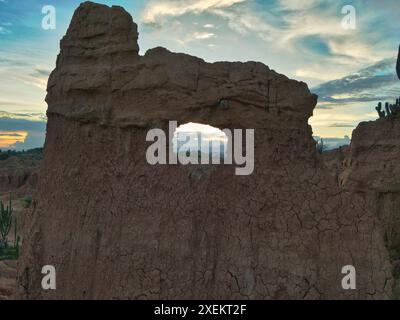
(333, 143)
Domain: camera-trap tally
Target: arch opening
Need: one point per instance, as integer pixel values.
(203, 140)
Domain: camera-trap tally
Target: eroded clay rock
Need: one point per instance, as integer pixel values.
(373, 162)
(371, 170)
(18, 176)
(116, 227)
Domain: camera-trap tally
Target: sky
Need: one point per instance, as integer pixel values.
(345, 54)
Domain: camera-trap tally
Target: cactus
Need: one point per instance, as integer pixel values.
(379, 110)
(5, 223)
(392, 110)
(396, 108)
(398, 65)
(387, 109)
(8, 251)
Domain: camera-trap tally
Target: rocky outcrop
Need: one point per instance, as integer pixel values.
(372, 170)
(17, 180)
(116, 227)
(335, 160)
(8, 275)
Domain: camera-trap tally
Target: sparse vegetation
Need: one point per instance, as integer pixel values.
(27, 201)
(391, 110)
(32, 153)
(8, 251)
(11, 159)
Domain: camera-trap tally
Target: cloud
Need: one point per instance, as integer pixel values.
(4, 26)
(17, 66)
(203, 35)
(13, 62)
(9, 139)
(376, 82)
(41, 72)
(21, 134)
(11, 134)
(308, 31)
(323, 106)
(37, 78)
(156, 11)
(342, 125)
(25, 116)
(4, 30)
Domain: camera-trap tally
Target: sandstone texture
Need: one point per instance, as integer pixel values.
(116, 227)
(8, 275)
(18, 173)
(335, 160)
(371, 169)
(18, 181)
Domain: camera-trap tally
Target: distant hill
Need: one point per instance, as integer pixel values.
(18, 170)
(30, 158)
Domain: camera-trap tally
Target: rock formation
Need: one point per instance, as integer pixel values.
(18, 175)
(335, 160)
(371, 169)
(116, 227)
(8, 274)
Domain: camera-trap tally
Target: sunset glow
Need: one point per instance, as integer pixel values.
(9, 138)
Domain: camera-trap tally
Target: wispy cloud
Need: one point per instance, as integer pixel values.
(203, 35)
(9, 139)
(4, 30)
(29, 116)
(13, 62)
(11, 134)
(342, 125)
(156, 11)
(376, 82)
(300, 38)
(309, 31)
(41, 72)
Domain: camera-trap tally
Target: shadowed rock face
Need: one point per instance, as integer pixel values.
(117, 227)
(371, 169)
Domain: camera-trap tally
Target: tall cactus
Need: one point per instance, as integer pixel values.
(388, 113)
(398, 65)
(5, 223)
(379, 110)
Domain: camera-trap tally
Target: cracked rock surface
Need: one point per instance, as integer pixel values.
(371, 169)
(116, 227)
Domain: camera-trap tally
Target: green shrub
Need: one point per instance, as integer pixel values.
(27, 201)
(6, 219)
(5, 223)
